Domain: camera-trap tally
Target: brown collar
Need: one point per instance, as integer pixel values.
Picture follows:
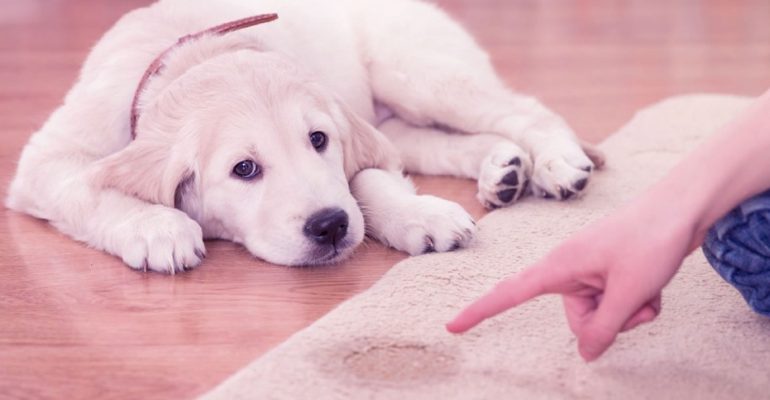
(158, 64)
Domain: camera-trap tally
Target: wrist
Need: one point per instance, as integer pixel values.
(675, 211)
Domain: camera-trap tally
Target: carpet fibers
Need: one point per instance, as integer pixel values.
(389, 342)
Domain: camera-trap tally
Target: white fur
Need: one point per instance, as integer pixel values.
(256, 94)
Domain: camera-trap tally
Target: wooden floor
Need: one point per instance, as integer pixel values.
(75, 323)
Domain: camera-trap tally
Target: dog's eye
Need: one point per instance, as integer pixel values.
(247, 169)
(318, 139)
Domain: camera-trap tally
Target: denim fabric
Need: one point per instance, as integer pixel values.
(738, 247)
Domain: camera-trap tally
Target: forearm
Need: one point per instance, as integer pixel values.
(731, 166)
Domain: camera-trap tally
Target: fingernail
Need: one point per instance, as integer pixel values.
(451, 327)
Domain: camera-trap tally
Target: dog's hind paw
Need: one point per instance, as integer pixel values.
(561, 173)
(162, 239)
(504, 175)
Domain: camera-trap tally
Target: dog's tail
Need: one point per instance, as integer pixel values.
(593, 152)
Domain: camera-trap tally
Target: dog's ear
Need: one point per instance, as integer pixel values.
(364, 146)
(153, 170)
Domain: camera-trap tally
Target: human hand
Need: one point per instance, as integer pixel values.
(610, 276)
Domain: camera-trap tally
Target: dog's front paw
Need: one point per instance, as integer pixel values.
(504, 175)
(426, 224)
(162, 239)
(561, 172)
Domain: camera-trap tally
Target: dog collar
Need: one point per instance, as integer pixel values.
(157, 65)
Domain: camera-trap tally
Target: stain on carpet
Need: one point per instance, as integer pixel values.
(387, 361)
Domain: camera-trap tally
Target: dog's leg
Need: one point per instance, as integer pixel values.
(400, 218)
(59, 188)
(500, 166)
(428, 71)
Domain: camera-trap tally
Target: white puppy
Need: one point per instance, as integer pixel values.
(265, 135)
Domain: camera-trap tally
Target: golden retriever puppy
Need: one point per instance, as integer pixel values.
(289, 137)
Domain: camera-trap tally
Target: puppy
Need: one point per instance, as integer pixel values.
(289, 137)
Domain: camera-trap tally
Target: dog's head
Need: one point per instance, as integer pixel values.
(256, 154)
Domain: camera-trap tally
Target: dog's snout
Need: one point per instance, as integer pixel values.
(327, 226)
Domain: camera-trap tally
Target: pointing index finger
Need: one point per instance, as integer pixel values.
(527, 284)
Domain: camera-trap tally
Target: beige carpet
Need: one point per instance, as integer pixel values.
(389, 342)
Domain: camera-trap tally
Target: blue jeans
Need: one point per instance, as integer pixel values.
(738, 247)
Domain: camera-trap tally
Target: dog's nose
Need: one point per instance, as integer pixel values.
(327, 226)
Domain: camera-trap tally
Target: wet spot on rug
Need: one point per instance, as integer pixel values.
(388, 361)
